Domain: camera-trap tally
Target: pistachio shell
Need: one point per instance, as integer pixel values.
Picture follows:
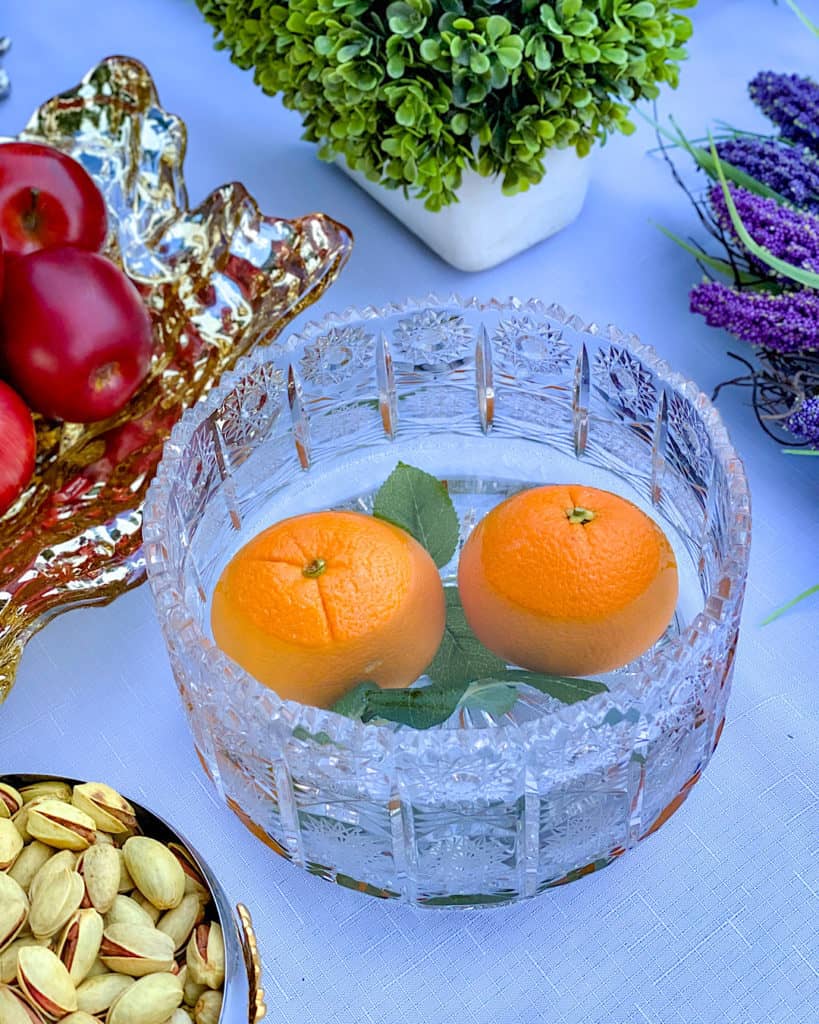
(79, 944)
(126, 910)
(154, 913)
(180, 1016)
(150, 1000)
(180, 922)
(126, 883)
(45, 983)
(99, 868)
(53, 904)
(194, 882)
(8, 958)
(11, 843)
(80, 1017)
(96, 994)
(31, 859)
(208, 1008)
(14, 908)
(13, 1010)
(135, 950)
(10, 800)
(47, 788)
(156, 871)
(192, 991)
(61, 825)
(97, 968)
(206, 956)
(64, 860)
(110, 811)
(103, 839)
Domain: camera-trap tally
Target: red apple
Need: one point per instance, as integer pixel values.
(75, 336)
(19, 447)
(47, 199)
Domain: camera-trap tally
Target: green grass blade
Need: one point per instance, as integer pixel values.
(804, 277)
(787, 607)
(800, 14)
(800, 451)
(721, 266)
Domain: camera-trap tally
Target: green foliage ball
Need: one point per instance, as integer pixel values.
(412, 92)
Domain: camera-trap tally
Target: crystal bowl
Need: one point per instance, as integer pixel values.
(490, 396)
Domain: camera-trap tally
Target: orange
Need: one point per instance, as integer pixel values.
(568, 580)
(320, 602)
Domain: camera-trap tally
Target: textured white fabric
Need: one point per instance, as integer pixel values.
(711, 921)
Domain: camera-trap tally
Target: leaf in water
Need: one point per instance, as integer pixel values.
(354, 703)
(419, 708)
(322, 738)
(490, 695)
(419, 503)
(566, 689)
(461, 658)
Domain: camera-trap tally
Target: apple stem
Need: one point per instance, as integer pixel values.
(31, 218)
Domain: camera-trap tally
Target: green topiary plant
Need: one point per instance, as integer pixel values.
(412, 92)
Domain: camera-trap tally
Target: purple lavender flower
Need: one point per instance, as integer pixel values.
(804, 423)
(786, 322)
(792, 171)
(791, 102)
(789, 234)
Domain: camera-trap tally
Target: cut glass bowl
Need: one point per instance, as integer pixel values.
(491, 397)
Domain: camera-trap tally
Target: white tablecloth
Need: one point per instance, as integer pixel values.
(711, 921)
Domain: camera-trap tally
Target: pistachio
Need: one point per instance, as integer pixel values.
(8, 958)
(126, 883)
(45, 983)
(47, 788)
(99, 868)
(103, 839)
(150, 1000)
(31, 859)
(110, 811)
(125, 910)
(180, 1016)
(194, 882)
(96, 994)
(64, 860)
(156, 871)
(192, 991)
(79, 1017)
(20, 820)
(180, 922)
(154, 913)
(13, 1010)
(206, 956)
(79, 944)
(11, 843)
(135, 950)
(97, 968)
(54, 903)
(208, 1008)
(10, 800)
(61, 825)
(14, 909)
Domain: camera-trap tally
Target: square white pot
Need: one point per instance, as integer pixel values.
(485, 227)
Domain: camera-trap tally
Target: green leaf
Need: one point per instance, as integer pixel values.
(490, 695)
(461, 658)
(721, 266)
(322, 738)
(787, 607)
(497, 26)
(566, 689)
(798, 274)
(354, 703)
(644, 9)
(419, 503)
(419, 708)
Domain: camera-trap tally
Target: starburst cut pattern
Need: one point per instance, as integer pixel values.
(624, 383)
(473, 861)
(532, 344)
(347, 848)
(433, 337)
(336, 355)
(689, 441)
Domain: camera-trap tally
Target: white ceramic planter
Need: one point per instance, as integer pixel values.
(485, 227)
